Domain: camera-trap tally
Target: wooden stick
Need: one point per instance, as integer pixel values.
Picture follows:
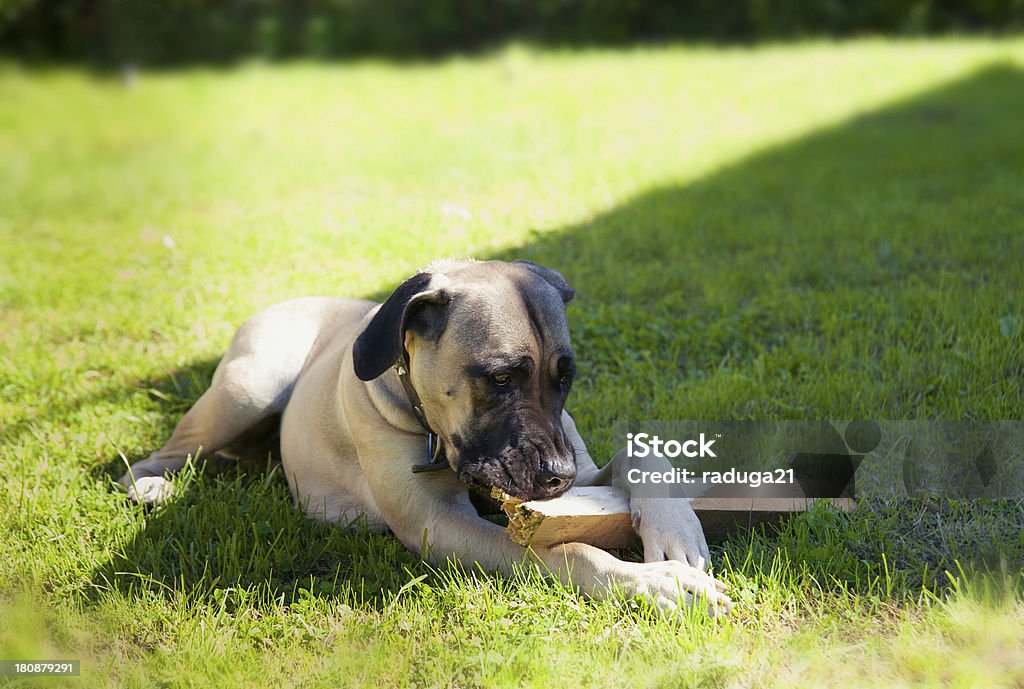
(600, 516)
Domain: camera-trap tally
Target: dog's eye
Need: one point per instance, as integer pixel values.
(565, 380)
(502, 380)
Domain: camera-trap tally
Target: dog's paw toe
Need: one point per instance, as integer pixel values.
(672, 585)
(150, 490)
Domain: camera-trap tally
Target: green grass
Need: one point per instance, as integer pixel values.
(810, 231)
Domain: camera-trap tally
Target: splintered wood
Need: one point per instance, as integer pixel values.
(600, 516)
(595, 515)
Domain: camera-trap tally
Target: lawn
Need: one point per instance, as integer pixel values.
(787, 232)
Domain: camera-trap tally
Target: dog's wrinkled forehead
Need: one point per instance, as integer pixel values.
(502, 305)
(482, 304)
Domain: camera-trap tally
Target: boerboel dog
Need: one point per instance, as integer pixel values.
(471, 356)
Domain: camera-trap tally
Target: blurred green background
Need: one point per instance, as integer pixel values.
(169, 32)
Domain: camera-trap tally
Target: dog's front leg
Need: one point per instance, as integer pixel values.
(667, 525)
(432, 515)
(455, 531)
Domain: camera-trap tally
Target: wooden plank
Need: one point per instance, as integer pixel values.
(599, 515)
(590, 514)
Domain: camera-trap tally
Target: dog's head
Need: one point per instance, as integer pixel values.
(491, 360)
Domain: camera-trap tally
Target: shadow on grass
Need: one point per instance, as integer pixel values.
(173, 393)
(860, 272)
(871, 256)
(231, 533)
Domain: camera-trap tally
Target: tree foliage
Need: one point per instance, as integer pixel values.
(160, 32)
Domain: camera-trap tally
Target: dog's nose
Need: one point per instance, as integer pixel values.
(552, 483)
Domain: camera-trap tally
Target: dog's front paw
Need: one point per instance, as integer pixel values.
(150, 490)
(670, 530)
(670, 583)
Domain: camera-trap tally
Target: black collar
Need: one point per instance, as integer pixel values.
(435, 451)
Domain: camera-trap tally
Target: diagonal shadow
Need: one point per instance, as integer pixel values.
(877, 218)
(672, 284)
(174, 392)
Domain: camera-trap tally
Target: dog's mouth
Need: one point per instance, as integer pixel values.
(483, 477)
(490, 478)
(477, 484)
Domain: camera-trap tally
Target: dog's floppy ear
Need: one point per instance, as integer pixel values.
(552, 277)
(380, 344)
